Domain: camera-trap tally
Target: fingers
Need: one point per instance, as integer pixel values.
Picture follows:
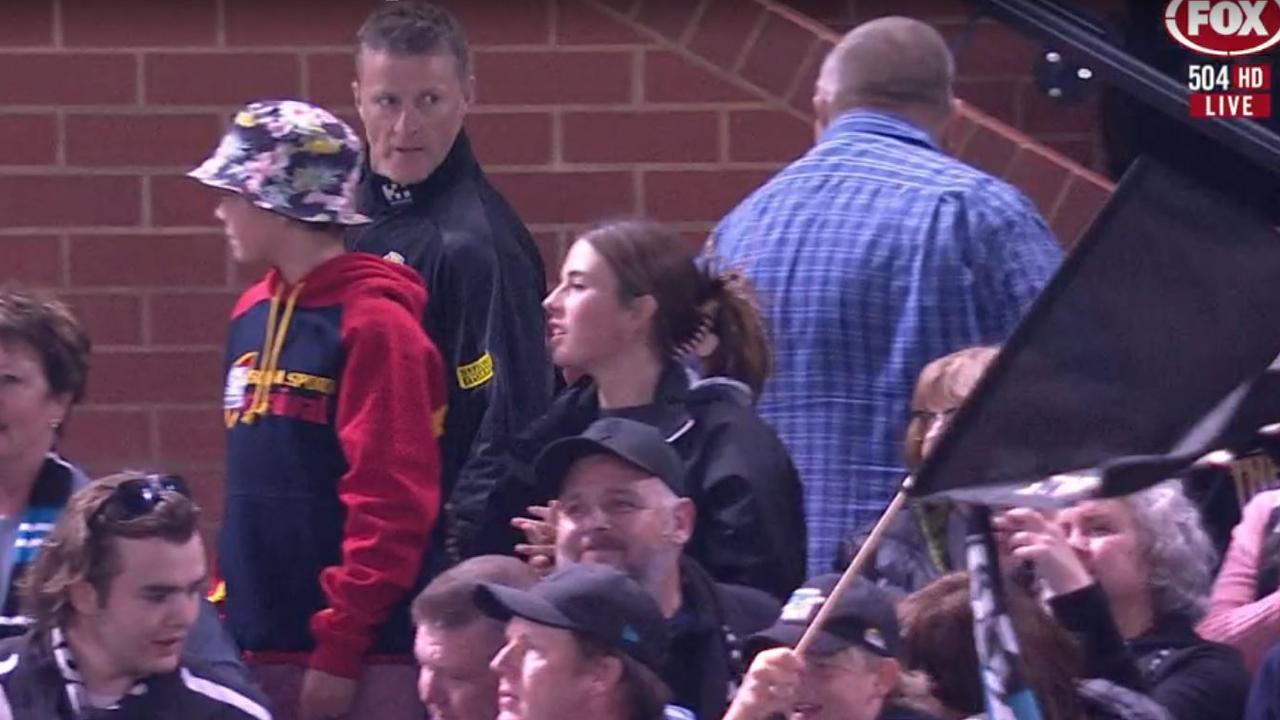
(530, 550)
(542, 512)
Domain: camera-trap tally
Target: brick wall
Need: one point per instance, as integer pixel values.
(587, 108)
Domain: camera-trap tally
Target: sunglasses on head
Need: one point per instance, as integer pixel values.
(138, 496)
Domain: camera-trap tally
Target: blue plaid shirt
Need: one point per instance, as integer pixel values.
(872, 255)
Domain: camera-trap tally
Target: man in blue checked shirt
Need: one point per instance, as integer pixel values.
(873, 254)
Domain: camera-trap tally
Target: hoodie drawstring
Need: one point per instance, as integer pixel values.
(272, 346)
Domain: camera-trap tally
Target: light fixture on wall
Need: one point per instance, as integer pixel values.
(1060, 78)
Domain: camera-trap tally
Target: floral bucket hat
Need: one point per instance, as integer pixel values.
(290, 157)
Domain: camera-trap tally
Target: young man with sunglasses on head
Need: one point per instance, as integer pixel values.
(114, 594)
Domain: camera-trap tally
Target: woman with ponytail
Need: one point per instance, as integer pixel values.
(654, 336)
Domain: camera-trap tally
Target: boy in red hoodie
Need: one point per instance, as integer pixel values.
(333, 398)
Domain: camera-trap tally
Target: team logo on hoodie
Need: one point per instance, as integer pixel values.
(233, 391)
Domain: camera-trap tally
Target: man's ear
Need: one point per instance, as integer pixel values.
(83, 598)
(887, 671)
(469, 91)
(606, 674)
(355, 97)
(685, 518)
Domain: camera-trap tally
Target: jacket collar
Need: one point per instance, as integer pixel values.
(379, 194)
(669, 410)
(876, 122)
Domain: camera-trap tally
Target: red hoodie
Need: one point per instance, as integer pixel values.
(333, 400)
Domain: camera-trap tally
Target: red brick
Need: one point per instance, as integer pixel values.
(1083, 200)
(921, 9)
(69, 200)
(156, 376)
(58, 79)
(110, 318)
(956, 133)
(511, 138)
(141, 140)
(293, 22)
(626, 7)
(329, 77)
(28, 139)
(997, 98)
(993, 50)
(989, 150)
(802, 95)
(1043, 114)
(551, 246)
(34, 260)
(190, 318)
(669, 18)
(107, 440)
(671, 78)
(27, 23)
(1040, 175)
(567, 197)
(641, 137)
(767, 136)
(536, 78)
(189, 435)
(221, 78)
(580, 24)
(138, 23)
(146, 260)
(179, 201)
(504, 22)
(772, 62)
(1080, 150)
(697, 195)
(827, 12)
(723, 29)
(207, 483)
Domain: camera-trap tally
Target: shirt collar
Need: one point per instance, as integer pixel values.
(878, 122)
(77, 693)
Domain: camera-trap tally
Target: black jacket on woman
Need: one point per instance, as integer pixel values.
(750, 526)
(1194, 679)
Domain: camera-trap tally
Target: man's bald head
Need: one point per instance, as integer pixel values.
(892, 63)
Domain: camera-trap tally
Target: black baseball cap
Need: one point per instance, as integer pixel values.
(864, 616)
(631, 441)
(595, 600)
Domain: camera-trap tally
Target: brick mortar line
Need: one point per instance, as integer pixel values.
(730, 76)
(486, 109)
(236, 50)
(695, 22)
(145, 172)
(749, 43)
(55, 17)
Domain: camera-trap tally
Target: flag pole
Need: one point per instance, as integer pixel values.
(864, 554)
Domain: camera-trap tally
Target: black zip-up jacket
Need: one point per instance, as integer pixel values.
(750, 522)
(486, 282)
(34, 688)
(1193, 679)
(705, 663)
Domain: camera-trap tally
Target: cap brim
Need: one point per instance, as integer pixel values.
(503, 603)
(788, 635)
(553, 464)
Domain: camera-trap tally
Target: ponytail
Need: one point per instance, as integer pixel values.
(731, 339)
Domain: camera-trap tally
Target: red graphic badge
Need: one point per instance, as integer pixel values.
(1224, 28)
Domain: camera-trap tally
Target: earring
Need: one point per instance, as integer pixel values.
(55, 424)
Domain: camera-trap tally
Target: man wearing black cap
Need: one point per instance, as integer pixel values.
(586, 642)
(850, 672)
(622, 502)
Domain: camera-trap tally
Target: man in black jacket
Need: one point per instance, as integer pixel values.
(114, 593)
(433, 209)
(621, 502)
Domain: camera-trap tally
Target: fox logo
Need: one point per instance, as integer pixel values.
(1224, 28)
